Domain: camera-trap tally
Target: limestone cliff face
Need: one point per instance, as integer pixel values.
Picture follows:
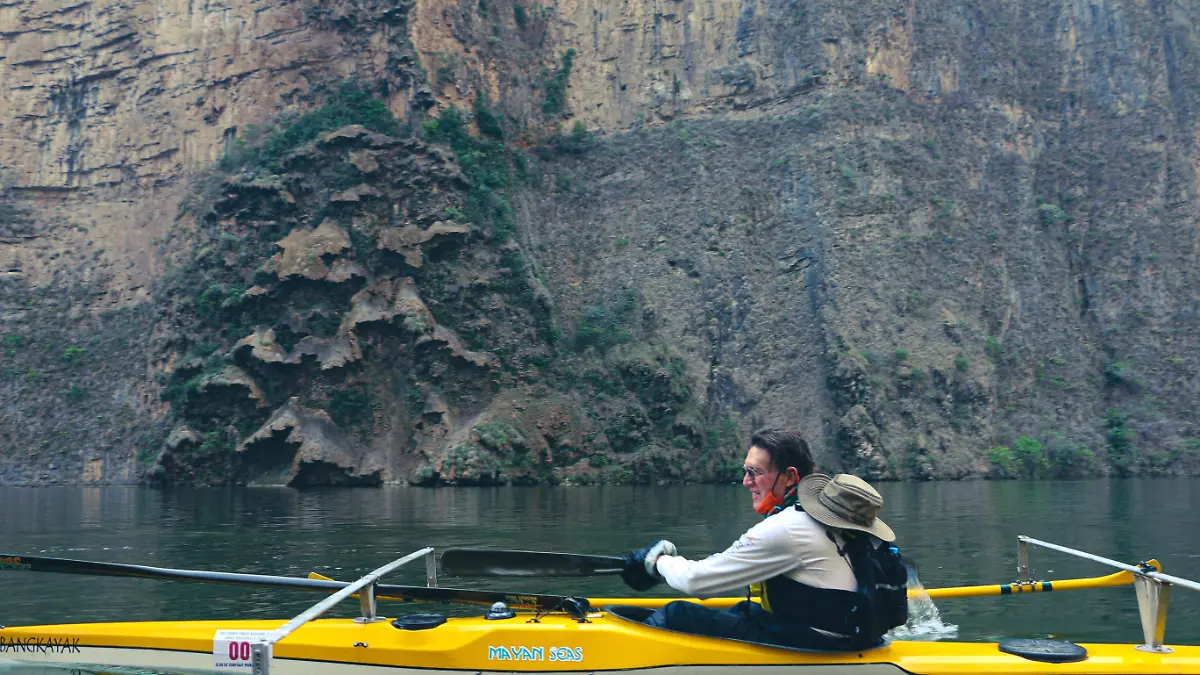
(918, 230)
(108, 110)
(107, 106)
(989, 211)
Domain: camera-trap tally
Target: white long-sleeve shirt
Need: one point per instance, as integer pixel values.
(790, 542)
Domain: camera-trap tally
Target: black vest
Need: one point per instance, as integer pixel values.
(880, 604)
(827, 609)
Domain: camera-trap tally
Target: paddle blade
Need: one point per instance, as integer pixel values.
(470, 562)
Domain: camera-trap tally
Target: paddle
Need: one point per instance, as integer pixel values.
(468, 562)
(544, 603)
(1115, 579)
(503, 562)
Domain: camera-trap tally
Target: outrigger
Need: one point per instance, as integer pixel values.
(555, 634)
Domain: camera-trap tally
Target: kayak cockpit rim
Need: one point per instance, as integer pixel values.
(1153, 588)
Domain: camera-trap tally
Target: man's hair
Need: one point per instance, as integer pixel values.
(786, 448)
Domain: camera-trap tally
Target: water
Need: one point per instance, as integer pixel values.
(956, 533)
(924, 619)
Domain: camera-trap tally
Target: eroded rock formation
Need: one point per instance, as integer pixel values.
(298, 447)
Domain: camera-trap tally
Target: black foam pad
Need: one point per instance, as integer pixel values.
(419, 621)
(1044, 650)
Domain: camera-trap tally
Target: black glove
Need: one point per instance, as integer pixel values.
(639, 572)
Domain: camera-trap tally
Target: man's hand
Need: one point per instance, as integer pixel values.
(641, 566)
(659, 548)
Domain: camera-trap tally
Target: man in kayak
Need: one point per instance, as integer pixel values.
(799, 559)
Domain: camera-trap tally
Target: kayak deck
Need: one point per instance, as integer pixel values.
(556, 643)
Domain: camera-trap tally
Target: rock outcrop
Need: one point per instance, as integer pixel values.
(304, 251)
(300, 447)
(407, 240)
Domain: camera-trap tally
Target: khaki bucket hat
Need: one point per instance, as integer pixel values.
(845, 502)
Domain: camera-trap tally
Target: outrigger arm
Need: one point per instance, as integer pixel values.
(260, 652)
(1153, 588)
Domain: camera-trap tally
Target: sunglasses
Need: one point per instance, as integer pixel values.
(754, 473)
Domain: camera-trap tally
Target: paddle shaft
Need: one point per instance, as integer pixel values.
(469, 562)
(487, 598)
(382, 591)
(504, 562)
(1118, 579)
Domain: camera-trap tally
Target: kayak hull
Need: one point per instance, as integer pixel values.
(554, 644)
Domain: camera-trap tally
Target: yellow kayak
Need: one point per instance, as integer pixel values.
(556, 643)
(561, 634)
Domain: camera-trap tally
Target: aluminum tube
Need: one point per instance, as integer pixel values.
(1159, 576)
(323, 606)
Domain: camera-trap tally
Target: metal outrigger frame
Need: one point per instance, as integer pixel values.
(260, 651)
(1153, 588)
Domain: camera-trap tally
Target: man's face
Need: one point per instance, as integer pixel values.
(760, 476)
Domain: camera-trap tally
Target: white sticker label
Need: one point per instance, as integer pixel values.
(232, 652)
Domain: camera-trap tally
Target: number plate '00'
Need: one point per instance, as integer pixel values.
(232, 649)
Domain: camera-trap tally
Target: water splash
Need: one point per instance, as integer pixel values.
(924, 620)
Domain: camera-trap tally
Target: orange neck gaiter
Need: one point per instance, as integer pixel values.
(771, 504)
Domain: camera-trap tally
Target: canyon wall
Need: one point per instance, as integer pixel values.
(945, 239)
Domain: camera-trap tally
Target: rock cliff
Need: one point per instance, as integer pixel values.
(492, 241)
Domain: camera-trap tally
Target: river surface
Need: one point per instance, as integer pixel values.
(957, 533)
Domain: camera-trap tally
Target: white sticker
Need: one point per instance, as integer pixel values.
(231, 649)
